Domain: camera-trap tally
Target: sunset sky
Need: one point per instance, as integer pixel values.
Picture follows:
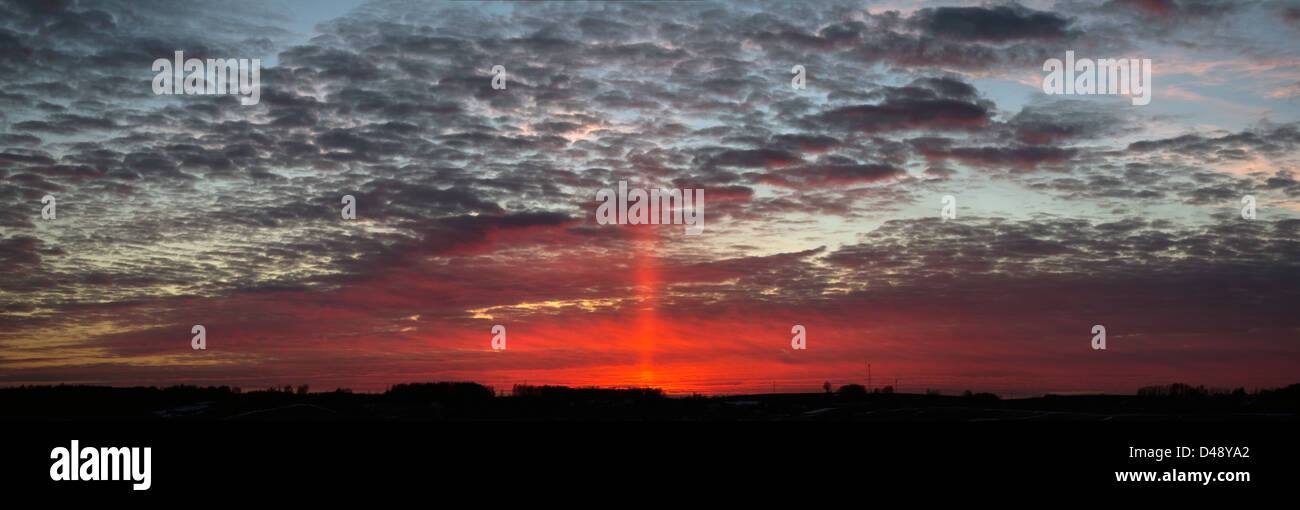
(476, 206)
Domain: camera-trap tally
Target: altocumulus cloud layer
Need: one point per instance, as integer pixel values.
(476, 206)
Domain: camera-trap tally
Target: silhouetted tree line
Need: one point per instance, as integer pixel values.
(585, 393)
(446, 392)
(1182, 390)
(858, 391)
(852, 391)
(989, 397)
(466, 400)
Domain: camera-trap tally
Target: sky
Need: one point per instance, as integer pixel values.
(476, 206)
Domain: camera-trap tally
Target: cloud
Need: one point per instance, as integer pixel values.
(998, 24)
(475, 205)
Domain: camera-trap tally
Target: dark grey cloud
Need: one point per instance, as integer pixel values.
(998, 24)
(939, 104)
(1273, 140)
